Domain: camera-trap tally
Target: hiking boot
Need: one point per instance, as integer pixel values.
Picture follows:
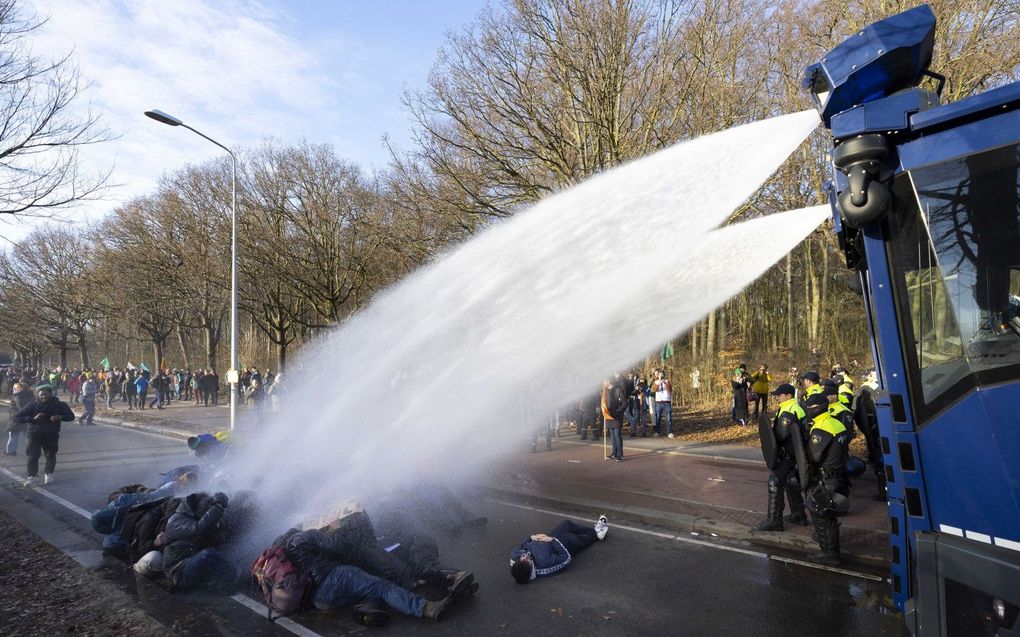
(601, 527)
(30, 482)
(437, 610)
(796, 518)
(368, 614)
(48, 478)
(769, 526)
(460, 585)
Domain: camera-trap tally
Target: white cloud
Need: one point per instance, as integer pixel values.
(234, 69)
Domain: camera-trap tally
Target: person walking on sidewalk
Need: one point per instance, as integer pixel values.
(128, 390)
(142, 388)
(21, 397)
(786, 431)
(43, 417)
(547, 554)
(614, 403)
(663, 390)
(88, 400)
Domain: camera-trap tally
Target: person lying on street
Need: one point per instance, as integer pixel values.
(547, 554)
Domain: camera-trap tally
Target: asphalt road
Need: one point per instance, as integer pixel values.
(637, 582)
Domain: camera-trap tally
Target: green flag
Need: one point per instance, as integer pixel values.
(667, 352)
(105, 363)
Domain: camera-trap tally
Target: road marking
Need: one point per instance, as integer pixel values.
(52, 496)
(283, 622)
(688, 540)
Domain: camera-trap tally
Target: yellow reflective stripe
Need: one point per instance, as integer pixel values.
(827, 423)
(793, 407)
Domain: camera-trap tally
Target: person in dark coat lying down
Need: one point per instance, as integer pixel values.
(320, 555)
(190, 558)
(543, 554)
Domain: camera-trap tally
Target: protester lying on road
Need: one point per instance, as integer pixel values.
(331, 583)
(128, 500)
(190, 557)
(543, 554)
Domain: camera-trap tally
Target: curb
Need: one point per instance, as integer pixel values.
(689, 524)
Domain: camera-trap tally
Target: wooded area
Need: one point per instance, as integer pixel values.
(533, 97)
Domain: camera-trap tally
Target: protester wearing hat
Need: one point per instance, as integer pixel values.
(43, 417)
(787, 429)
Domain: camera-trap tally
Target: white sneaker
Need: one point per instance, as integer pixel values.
(602, 527)
(48, 478)
(31, 482)
(671, 436)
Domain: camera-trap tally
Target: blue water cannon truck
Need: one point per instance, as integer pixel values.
(926, 204)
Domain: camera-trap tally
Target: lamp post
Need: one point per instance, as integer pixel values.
(232, 373)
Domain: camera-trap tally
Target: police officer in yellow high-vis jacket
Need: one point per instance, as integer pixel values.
(828, 491)
(786, 426)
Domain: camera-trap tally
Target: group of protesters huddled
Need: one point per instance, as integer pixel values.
(188, 533)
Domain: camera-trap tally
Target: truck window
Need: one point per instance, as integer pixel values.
(956, 251)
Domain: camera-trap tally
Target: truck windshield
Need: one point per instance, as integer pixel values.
(956, 252)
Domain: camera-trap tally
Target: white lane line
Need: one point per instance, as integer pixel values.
(52, 496)
(687, 540)
(831, 569)
(282, 622)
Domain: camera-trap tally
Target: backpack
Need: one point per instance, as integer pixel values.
(283, 588)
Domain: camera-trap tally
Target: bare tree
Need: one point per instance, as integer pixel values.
(43, 125)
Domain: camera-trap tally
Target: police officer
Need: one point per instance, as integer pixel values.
(845, 388)
(839, 411)
(787, 429)
(828, 491)
(810, 382)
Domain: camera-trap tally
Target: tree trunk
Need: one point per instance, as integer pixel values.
(789, 300)
(281, 356)
(63, 351)
(83, 349)
(157, 351)
(184, 349)
(212, 341)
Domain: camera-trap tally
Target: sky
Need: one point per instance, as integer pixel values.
(241, 71)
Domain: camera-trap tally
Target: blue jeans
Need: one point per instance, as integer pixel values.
(12, 442)
(664, 407)
(616, 435)
(637, 416)
(89, 402)
(574, 537)
(346, 585)
(205, 566)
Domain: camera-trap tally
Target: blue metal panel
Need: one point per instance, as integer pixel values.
(971, 461)
(968, 139)
(882, 58)
(967, 107)
(900, 571)
(883, 116)
(893, 378)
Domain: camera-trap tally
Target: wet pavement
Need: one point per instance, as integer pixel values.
(644, 579)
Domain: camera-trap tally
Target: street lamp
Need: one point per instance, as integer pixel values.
(232, 374)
